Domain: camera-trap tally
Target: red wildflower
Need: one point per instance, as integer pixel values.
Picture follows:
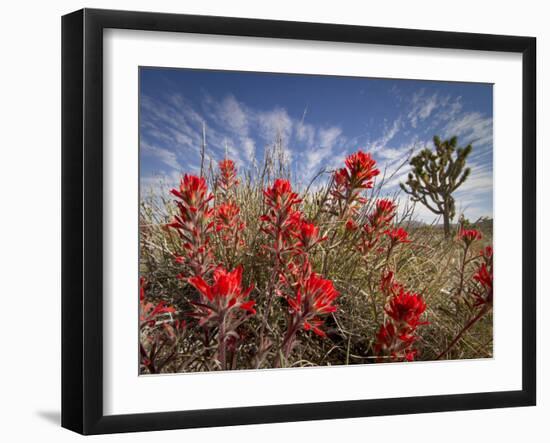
(385, 337)
(397, 235)
(351, 225)
(313, 325)
(194, 224)
(282, 221)
(341, 178)
(280, 195)
(227, 179)
(404, 310)
(192, 191)
(469, 235)
(348, 183)
(487, 253)
(383, 213)
(229, 223)
(406, 307)
(388, 285)
(321, 293)
(361, 169)
(307, 235)
(227, 216)
(484, 276)
(223, 296)
(396, 346)
(314, 297)
(149, 312)
(377, 220)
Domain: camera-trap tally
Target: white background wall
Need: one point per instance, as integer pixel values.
(30, 223)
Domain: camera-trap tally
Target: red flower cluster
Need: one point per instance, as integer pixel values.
(227, 216)
(388, 285)
(227, 179)
(484, 276)
(404, 309)
(360, 170)
(223, 296)
(229, 223)
(383, 213)
(281, 196)
(378, 222)
(313, 298)
(349, 182)
(292, 240)
(223, 304)
(194, 224)
(397, 235)
(468, 236)
(282, 220)
(193, 192)
(308, 236)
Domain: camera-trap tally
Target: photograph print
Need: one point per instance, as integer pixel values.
(294, 221)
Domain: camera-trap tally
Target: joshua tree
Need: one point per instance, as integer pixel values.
(436, 175)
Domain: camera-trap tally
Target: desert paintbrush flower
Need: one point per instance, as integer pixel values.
(313, 299)
(194, 224)
(227, 178)
(468, 236)
(397, 235)
(223, 304)
(398, 333)
(350, 181)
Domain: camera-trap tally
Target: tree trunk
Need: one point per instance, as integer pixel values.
(446, 225)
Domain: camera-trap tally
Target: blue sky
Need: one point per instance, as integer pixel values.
(321, 119)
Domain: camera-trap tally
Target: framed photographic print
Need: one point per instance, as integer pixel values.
(281, 221)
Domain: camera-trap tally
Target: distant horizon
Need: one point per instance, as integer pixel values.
(321, 120)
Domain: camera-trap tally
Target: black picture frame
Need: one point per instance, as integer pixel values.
(82, 218)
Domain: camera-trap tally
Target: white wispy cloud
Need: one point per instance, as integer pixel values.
(326, 140)
(422, 107)
(305, 133)
(234, 115)
(274, 123)
(435, 107)
(474, 127)
(174, 122)
(389, 133)
(159, 184)
(384, 150)
(165, 156)
(479, 181)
